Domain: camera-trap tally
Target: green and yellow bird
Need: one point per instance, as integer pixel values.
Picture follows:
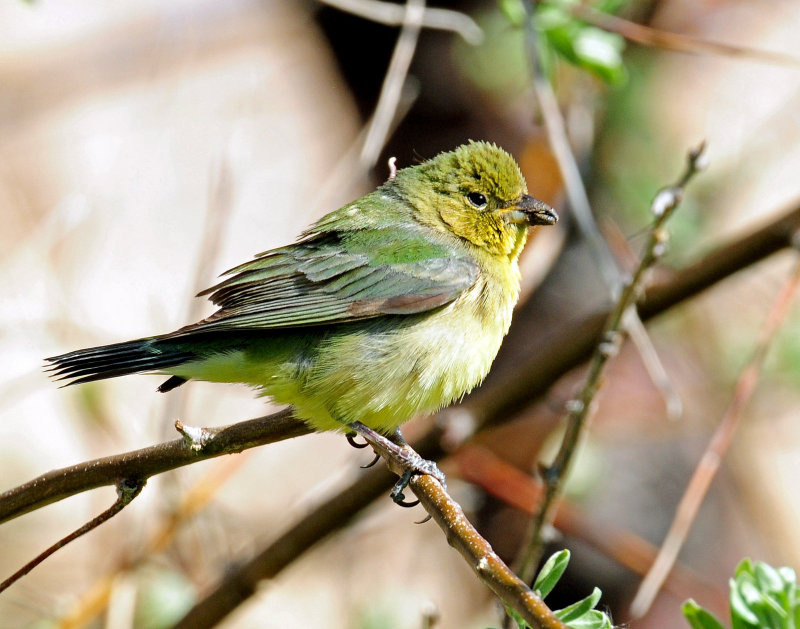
(392, 305)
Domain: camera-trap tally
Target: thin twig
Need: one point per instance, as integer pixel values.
(716, 450)
(572, 343)
(394, 15)
(127, 490)
(579, 202)
(579, 409)
(515, 488)
(559, 141)
(95, 600)
(391, 89)
(677, 42)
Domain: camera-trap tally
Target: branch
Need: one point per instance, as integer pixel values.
(328, 517)
(127, 490)
(579, 409)
(146, 462)
(395, 15)
(478, 553)
(570, 346)
(520, 490)
(676, 42)
(460, 533)
(553, 357)
(335, 513)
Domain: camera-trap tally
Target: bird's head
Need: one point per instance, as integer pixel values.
(478, 193)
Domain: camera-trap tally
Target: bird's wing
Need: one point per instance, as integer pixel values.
(337, 278)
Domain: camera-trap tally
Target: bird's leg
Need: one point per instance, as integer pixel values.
(400, 457)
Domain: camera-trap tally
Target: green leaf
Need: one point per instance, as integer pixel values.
(768, 579)
(593, 619)
(775, 612)
(742, 616)
(600, 52)
(586, 46)
(797, 612)
(698, 617)
(788, 576)
(514, 11)
(576, 610)
(551, 572)
(745, 567)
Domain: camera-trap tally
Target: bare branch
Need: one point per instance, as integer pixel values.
(557, 354)
(391, 90)
(461, 535)
(146, 462)
(394, 15)
(580, 408)
(517, 489)
(478, 553)
(328, 517)
(558, 139)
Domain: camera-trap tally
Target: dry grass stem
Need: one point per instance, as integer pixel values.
(715, 452)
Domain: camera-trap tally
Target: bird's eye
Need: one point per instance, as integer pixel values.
(477, 199)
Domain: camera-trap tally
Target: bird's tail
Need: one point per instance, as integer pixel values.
(121, 359)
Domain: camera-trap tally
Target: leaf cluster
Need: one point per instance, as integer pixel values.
(762, 597)
(580, 615)
(565, 36)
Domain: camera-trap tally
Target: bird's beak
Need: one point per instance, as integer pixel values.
(530, 211)
(536, 212)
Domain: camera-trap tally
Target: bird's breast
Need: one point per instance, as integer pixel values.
(384, 371)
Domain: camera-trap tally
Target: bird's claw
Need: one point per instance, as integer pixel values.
(372, 462)
(397, 491)
(396, 449)
(351, 439)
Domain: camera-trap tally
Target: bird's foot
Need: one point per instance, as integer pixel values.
(351, 439)
(400, 457)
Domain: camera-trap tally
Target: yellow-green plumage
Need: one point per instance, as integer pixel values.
(393, 305)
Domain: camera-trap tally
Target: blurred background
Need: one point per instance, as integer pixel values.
(146, 147)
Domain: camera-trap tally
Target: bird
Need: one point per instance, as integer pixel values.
(394, 305)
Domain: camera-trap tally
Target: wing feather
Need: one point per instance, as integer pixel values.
(338, 278)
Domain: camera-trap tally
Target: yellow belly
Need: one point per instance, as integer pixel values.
(382, 378)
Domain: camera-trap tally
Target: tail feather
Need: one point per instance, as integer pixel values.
(120, 359)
